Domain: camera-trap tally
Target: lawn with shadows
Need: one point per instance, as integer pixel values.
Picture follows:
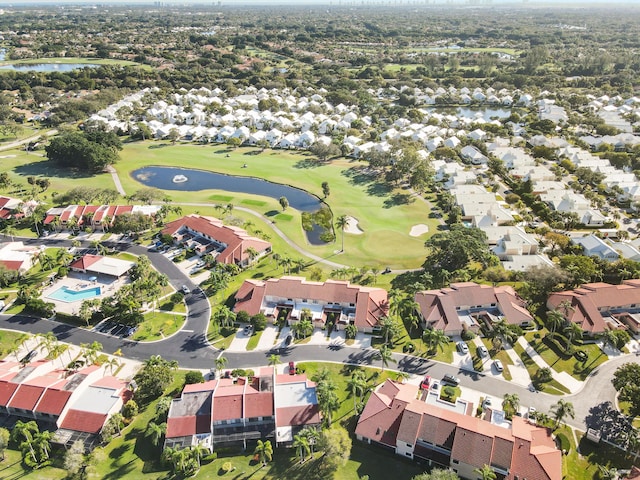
(574, 367)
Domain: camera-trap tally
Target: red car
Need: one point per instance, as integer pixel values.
(425, 383)
(292, 368)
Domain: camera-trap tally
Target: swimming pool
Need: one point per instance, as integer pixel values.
(65, 294)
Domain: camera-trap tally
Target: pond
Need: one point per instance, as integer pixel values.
(171, 178)
(46, 67)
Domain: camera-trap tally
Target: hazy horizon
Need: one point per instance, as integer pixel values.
(353, 3)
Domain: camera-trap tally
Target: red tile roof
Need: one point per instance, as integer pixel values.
(12, 264)
(258, 404)
(53, 401)
(296, 416)
(525, 450)
(438, 307)
(82, 421)
(370, 303)
(227, 407)
(85, 262)
(380, 419)
(236, 239)
(590, 300)
(187, 426)
(7, 389)
(26, 397)
(200, 387)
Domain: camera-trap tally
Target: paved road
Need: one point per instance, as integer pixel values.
(190, 348)
(24, 141)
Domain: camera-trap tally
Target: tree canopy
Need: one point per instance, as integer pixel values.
(88, 151)
(454, 249)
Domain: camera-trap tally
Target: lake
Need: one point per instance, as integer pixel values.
(196, 180)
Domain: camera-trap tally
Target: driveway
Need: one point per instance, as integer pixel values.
(190, 348)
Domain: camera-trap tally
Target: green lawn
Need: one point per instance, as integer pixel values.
(385, 214)
(553, 387)
(8, 340)
(571, 365)
(158, 325)
(254, 340)
(90, 60)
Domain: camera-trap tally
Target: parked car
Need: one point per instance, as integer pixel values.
(482, 351)
(486, 403)
(498, 365)
(426, 383)
(287, 341)
(435, 386)
(292, 368)
(462, 348)
(185, 290)
(248, 330)
(451, 379)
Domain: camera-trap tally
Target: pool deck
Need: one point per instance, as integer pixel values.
(80, 281)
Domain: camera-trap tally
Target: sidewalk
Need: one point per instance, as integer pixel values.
(562, 377)
(519, 373)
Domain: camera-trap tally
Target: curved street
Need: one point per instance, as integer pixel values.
(190, 348)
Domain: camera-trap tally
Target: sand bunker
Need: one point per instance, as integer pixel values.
(418, 230)
(352, 226)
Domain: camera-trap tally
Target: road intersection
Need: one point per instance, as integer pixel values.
(191, 349)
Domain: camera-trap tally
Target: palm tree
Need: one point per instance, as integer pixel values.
(385, 355)
(47, 341)
(341, 222)
(265, 451)
(301, 444)
(356, 385)
(26, 431)
(199, 451)
(112, 364)
(510, 403)
(221, 363)
(389, 328)
(312, 435)
(607, 473)
(573, 330)
(274, 359)
(555, 319)
(561, 410)
(42, 441)
(486, 473)
(435, 339)
(328, 400)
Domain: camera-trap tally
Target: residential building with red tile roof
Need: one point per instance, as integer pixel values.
(93, 216)
(208, 235)
(232, 411)
(597, 307)
(74, 405)
(17, 256)
(10, 207)
(331, 300)
(100, 265)
(296, 406)
(465, 305)
(396, 418)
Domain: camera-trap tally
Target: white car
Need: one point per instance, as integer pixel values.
(498, 365)
(463, 348)
(185, 290)
(482, 351)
